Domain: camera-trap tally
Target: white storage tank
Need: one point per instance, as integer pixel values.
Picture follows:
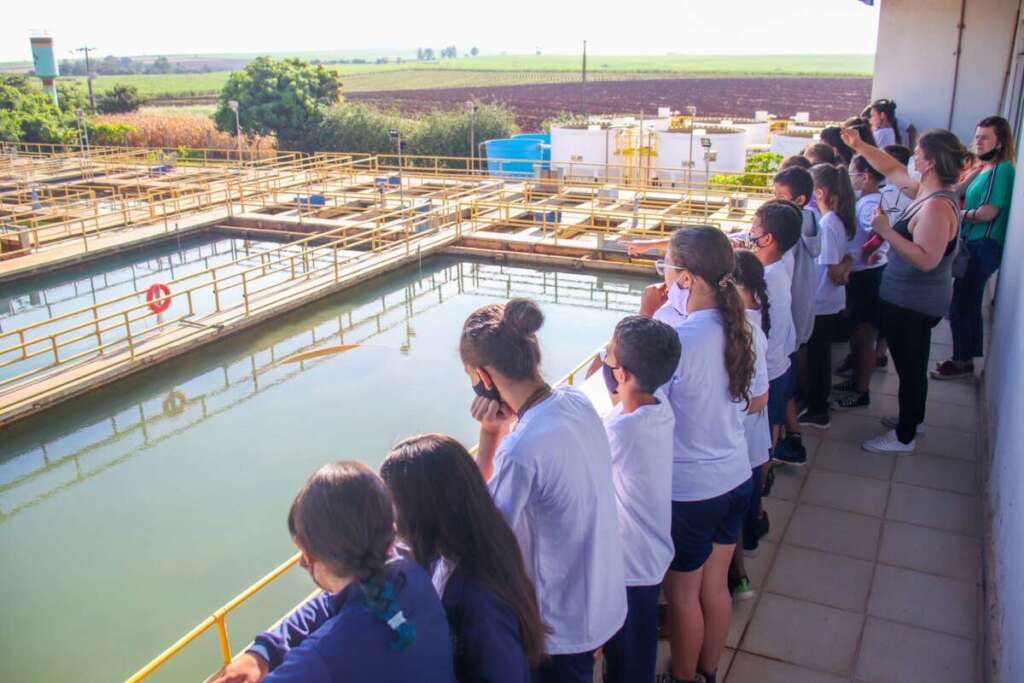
(757, 131)
(674, 151)
(792, 142)
(584, 152)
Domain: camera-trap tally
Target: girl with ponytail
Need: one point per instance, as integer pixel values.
(375, 619)
(834, 195)
(547, 460)
(711, 393)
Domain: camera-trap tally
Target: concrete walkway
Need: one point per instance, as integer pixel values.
(872, 569)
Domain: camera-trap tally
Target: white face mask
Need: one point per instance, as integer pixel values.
(679, 298)
(915, 175)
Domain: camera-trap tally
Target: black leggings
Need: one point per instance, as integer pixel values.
(819, 362)
(910, 338)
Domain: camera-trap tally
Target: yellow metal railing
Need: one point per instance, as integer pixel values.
(217, 619)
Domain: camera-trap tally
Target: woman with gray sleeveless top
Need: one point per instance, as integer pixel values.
(918, 283)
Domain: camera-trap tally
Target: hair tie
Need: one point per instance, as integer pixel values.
(726, 280)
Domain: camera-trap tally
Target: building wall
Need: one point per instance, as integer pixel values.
(915, 61)
(1004, 398)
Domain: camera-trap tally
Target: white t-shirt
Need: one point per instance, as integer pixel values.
(641, 444)
(894, 201)
(756, 429)
(553, 482)
(669, 315)
(782, 334)
(830, 298)
(709, 454)
(866, 206)
(885, 137)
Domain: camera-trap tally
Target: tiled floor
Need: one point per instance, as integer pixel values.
(872, 570)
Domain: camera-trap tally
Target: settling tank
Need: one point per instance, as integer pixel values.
(514, 157)
(674, 151)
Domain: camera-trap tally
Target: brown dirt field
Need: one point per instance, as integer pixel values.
(825, 98)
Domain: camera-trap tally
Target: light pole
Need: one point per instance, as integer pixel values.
(472, 133)
(396, 135)
(89, 75)
(233, 105)
(709, 156)
(83, 129)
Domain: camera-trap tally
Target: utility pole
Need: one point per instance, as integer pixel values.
(583, 85)
(88, 74)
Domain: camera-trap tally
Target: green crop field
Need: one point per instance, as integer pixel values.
(520, 69)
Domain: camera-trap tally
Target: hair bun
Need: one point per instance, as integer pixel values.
(523, 317)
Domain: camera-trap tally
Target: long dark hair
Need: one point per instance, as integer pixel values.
(504, 336)
(749, 273)
(706, 252)
(888, 109)
(835, 180)
(343, 518)
(832, 137)
(445, 510)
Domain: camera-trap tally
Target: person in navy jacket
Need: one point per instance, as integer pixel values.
(376, 621)
(450, 523)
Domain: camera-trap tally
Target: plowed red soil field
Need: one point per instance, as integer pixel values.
(824, 98)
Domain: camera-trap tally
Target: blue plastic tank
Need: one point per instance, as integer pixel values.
(543, 138)
(514, 157)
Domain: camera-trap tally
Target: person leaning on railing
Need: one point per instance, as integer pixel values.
(987, 191)
(376, 620)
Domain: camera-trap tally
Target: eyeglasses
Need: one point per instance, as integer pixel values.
(660, 266)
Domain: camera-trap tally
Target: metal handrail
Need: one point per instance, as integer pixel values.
(218, 618)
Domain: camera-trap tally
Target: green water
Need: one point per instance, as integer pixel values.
(123, 522)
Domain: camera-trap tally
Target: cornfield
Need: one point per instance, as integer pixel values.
(170, 131)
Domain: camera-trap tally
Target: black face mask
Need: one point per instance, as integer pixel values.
(609, 378)
(989, 155)
(482, 391)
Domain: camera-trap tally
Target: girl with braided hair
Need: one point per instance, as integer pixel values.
(376, 620)
(711, 395)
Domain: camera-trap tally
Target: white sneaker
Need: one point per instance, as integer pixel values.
(892, 422)
(888, 443)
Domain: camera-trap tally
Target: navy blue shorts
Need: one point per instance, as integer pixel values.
(780, 390)
(699, 524)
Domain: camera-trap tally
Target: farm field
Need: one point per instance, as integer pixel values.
(823, 98)
(518, 69)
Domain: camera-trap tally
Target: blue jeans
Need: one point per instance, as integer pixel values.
(965, 318)
(632, 653)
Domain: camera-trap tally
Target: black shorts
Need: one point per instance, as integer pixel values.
(700, 524)
(862, 302)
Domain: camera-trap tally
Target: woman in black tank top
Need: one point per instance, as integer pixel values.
(918, 283)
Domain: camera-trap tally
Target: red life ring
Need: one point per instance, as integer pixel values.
(159, 297)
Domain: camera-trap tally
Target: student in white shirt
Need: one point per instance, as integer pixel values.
(794, 184)
(834, 194)
(863, 307)
(548, 464)
(710, 395)
(775, 231)
(642, 355)
(887, 128)
(753, 289)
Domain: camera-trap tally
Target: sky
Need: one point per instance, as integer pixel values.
(124, 27)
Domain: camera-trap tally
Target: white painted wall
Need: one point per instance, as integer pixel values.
(1004, 393)
(915, 60)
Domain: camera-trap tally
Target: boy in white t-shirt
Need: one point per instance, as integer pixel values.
(794, 184)
(642, 356)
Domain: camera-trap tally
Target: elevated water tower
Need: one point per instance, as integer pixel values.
(45, 64)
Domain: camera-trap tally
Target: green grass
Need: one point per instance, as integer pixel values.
(520, 69)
